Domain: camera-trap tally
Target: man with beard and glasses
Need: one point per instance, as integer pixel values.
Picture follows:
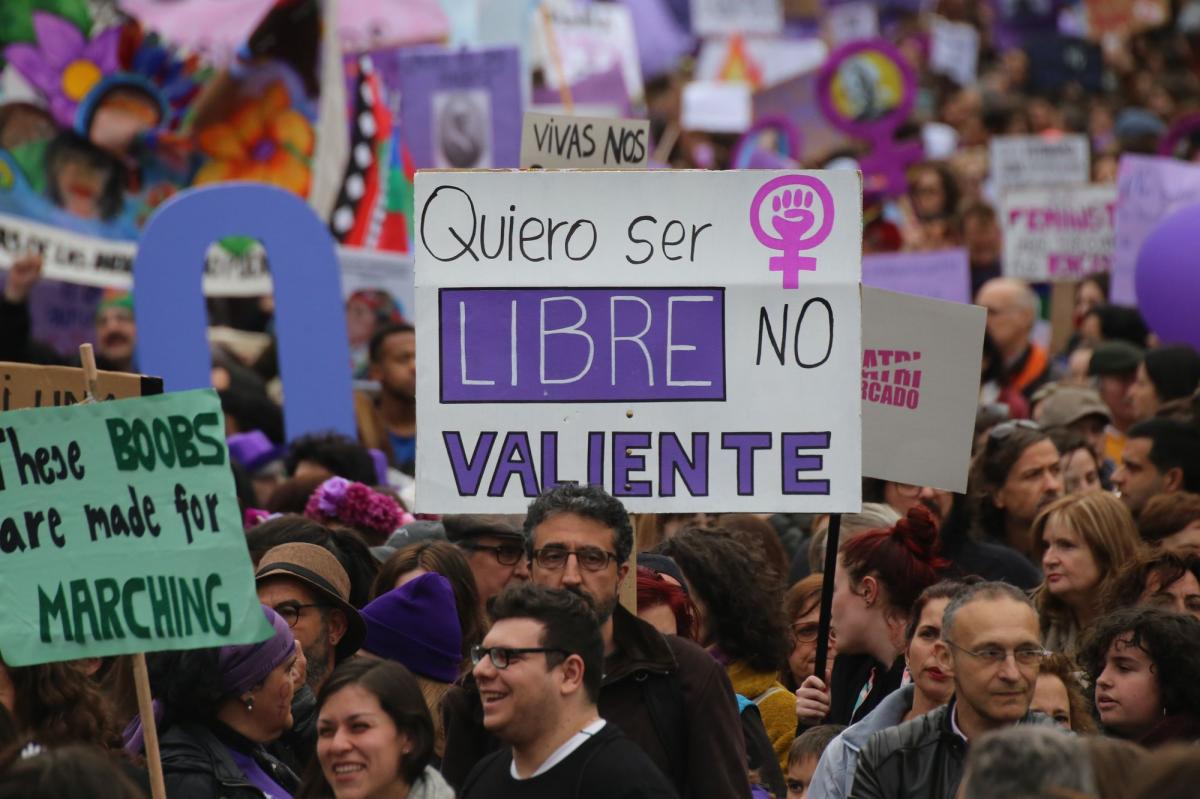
(116, 332)
(1013, 477)
(310, 590)
(665, 693)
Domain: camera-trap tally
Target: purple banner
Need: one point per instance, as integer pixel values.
(582, 344)
(939, 275)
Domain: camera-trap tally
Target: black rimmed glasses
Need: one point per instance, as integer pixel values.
(505, 554)
(290, 611)
(592, 559)
(502, 656)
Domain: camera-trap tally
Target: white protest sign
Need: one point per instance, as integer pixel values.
(717, 17)
(1024, 161)
(589, 40)
(717, 106)
(690, 340)
(570, 142)
(851, 22)
(954, 50)
(1151, 188)
(920, 388)
(1058, 233)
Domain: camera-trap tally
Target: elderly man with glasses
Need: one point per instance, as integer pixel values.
(991, 644)
(495, 550)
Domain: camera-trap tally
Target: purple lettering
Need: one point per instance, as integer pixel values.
(745, 444)
(794, 462)
(468, 473)
(673, 460)
(625, 460)
(516, 458)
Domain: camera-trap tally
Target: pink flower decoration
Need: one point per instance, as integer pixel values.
(355, 505)
(64, 66)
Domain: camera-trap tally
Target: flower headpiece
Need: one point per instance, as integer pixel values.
(355, 505)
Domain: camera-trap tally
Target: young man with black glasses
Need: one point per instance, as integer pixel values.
(539, 673)
(991, 643)
(495, 550)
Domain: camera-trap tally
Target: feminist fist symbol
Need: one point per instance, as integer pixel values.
(794, 217)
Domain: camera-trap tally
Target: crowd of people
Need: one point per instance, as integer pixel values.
(1036, 636)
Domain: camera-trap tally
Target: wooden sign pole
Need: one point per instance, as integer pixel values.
(141, 675)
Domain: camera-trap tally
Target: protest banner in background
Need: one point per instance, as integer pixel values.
(719, 17)
(1150, 188)
(574, 42)
(758, 61)
(568, 142)
(852, 22)
(939, 275)
(120, 531)
(461, 109)
(1058, 233)
(1024, 161)
(796, 100)
(690, 340)
(25, 385)
(953, 50)
(920, 387)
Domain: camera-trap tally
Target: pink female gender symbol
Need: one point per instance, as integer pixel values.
(794, 219)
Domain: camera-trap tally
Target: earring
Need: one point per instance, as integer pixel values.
(250, 704)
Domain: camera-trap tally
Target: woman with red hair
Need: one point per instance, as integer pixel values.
(879, 576)
(663, 602)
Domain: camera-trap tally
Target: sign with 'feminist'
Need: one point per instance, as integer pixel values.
(120, 531)
(688, 340)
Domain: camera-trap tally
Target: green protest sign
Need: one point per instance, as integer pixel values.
(120, 531)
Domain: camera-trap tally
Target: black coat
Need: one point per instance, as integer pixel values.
(197, 765)
(919, 758)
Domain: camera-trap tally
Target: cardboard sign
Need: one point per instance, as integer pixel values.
(1150, 188)
(120, 532)
(920, 388)
(852, 22)
(570, 142)
(953, 50)
(590, 40)
(689, 340)
(1023, 161)
(719, 17)
(461, 109)
(24, 385)
(310, 321)
(1055, 234)
(717, 107)
(939, 275)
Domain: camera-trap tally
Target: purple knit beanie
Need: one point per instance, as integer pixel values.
(417, 626)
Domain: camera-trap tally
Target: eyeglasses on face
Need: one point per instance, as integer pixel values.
(591, 559)
(290, 611)
(994, 655)
(807, 633)
(505, 554)
(502, 656)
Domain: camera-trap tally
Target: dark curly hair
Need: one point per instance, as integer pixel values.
(340, 454)
(1170, 640)
(1166, 566)
(187, 683)
(57, 704)
(1061, 666)
(345, 544)
(743, 595)
(590, 502)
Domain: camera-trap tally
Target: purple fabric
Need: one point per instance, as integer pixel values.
(417, 626)
(244, 666)
(256, 776)
(252, 450)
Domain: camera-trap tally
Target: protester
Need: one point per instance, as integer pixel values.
(802, 609)
(539, 673)
(1083, 540)
(375, 736)
(1078, 409)
(1115, 765)
(76, 771)
(1060, 696)
(496, 552)
(1163, 579)
(345, 544)
(1143, 663)
(991, 644)
(1013, 478)
(328, 455)
(879, 576)
(1164, 375)
(1172, 521)
(804, 754)
(437, 557)
(1080, 469)
(220, 709)
(1162, 456)
(664, 604)
(389, 421)
(55, 704)
(739, 603)
(1041, 761)
(116, 332)
(416, 625)
(931, 687)
(1012, 309)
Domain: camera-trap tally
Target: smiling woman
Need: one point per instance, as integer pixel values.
(374, 736)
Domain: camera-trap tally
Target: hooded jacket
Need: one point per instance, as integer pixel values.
(834, 775)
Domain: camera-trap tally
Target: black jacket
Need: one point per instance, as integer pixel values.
(197, 765)
(919, 759)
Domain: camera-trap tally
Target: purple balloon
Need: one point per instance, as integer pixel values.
(1167, 279)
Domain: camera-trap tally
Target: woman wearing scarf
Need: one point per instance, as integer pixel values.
(217, 710)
